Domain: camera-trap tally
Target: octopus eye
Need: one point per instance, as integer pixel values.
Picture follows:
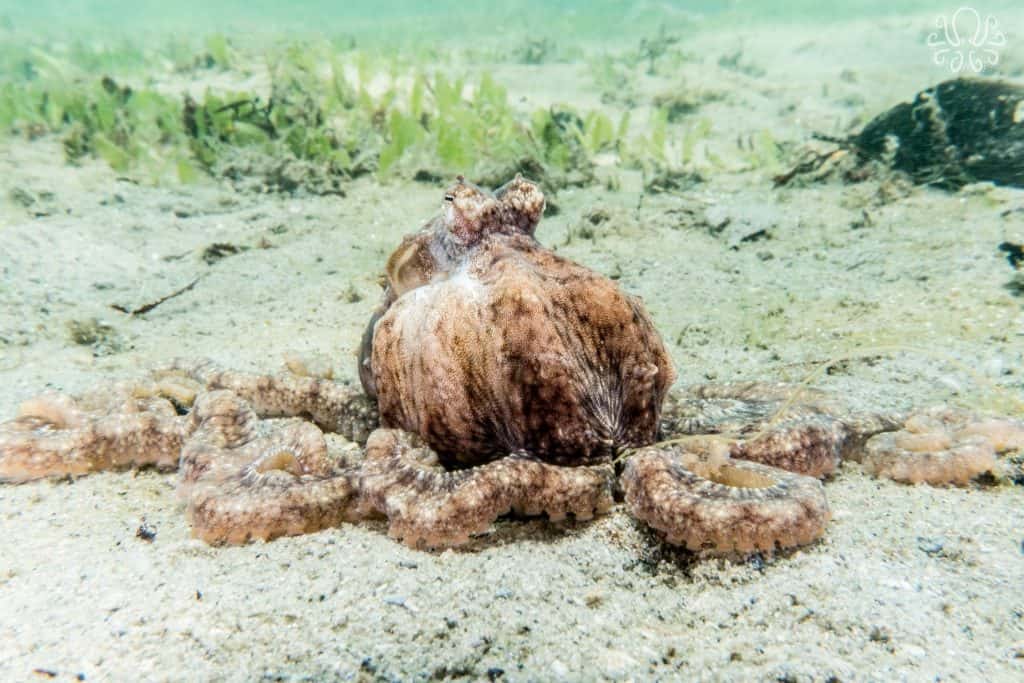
(449, 198)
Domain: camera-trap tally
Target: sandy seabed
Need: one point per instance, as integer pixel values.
(909, 583)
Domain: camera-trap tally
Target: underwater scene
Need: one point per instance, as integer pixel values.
(519, 341)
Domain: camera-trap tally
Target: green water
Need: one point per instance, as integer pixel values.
(448, 21)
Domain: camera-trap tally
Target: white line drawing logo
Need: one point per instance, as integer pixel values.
(965, 41)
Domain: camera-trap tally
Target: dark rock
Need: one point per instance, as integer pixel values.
(960, 131)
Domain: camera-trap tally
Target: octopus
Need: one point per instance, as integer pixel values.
(495, 377)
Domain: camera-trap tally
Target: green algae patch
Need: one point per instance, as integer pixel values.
(320, 117)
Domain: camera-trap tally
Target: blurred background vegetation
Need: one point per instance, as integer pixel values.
(304, 96)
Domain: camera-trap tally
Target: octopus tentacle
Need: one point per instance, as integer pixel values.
(246, 478)
(698, 497)
(334, 406)
(806, 444)
(941, 446)
(785, 426)
(793, 427)
(57, 435)
(428, 506)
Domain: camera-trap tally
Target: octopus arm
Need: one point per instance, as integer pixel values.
(942, 445)
(334, 406)
(778, 425)
(937, 462)
(793, 427)
(57, 435)
(805, 444)
(429, 506)
(244, 478)
(722, 506)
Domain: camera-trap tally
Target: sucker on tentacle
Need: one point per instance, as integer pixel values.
(708, 502)
(246, 478)
(428, 506)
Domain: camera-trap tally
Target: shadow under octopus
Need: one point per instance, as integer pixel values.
(496, 377)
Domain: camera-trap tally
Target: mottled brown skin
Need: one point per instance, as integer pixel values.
(735, 506)
(491, 343)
